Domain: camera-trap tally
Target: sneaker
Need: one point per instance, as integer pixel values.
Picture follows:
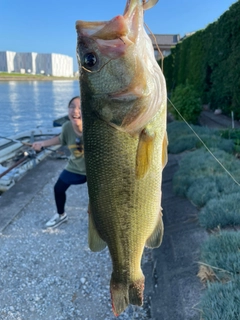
(56, 220)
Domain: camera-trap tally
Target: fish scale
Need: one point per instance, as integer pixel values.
(123, 102)
(114, 190)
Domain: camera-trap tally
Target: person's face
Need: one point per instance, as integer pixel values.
(74, 112)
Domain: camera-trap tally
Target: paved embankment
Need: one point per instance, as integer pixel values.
(175, 289)
(209, 119)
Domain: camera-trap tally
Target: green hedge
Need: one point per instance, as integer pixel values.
(210, 61)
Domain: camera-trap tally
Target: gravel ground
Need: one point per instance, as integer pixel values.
(52, 274)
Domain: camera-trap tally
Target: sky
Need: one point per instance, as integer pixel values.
(48, 26)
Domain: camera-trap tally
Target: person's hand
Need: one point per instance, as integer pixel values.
(38, 146)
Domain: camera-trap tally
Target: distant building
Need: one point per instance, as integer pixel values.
(165, 42)
(187, 35)
(52, 64)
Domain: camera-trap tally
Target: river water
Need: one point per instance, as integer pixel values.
(31, 104)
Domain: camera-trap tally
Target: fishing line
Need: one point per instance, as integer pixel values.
(90, 71)
(225, 169)
(155, 40)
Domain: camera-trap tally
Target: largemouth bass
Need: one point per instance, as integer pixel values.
(123, 95)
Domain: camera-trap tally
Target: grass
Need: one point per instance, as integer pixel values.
(27, 76)
(6, 74)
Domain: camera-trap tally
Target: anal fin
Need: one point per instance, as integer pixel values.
(95, 242)
(164, 150)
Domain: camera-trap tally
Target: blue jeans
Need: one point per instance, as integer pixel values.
(65, 180)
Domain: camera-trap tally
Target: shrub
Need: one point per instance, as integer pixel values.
(216, 142)
(222, 251)
(202, 190)
(221, 301)
(182, 138)
(234, 135)
(226, 185)
(187, 103)
(201, 165)
(183, 143)
(221, 212)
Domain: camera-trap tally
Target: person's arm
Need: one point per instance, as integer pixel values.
(38, 145)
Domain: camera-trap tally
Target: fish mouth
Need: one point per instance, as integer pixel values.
(115, 36)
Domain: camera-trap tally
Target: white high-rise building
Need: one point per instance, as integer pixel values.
(52, 64)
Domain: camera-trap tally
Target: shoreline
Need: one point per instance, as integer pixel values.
(35, 78)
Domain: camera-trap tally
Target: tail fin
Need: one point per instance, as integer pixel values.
(136, 292)
(119, 295)
(122, 294)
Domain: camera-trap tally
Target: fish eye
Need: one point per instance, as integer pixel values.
(90, 59)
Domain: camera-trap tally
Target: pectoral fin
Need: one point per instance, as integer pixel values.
(144, 152)
(155, 239)
(95, 242)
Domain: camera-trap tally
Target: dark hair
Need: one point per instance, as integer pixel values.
(77, 97)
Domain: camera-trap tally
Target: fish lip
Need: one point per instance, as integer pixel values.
(120, 26)
(113, 37)
(90, 26)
